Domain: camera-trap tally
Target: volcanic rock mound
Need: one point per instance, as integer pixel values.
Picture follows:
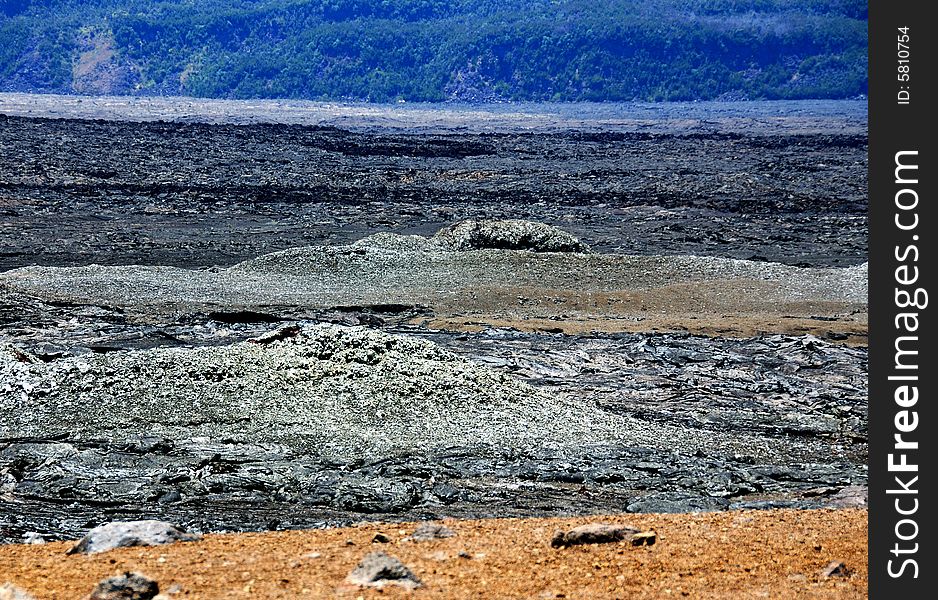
(472, 266)
(342, 391)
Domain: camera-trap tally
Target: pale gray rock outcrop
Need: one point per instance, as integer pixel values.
(125, 534)
(379, 569)
(8, 591)
(507, 234)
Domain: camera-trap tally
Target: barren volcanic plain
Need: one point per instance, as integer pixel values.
(271, 316)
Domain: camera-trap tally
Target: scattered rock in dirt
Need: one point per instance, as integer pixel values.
(511, 559)
(836, 568)
(8, 591)
(431, 531)
(379, 569)
(644, 538)
(129, 586)
(122, 534)
(594, 533)
(507, 234)
(380, 538)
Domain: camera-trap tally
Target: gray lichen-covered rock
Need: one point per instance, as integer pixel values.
(593, 533)
(129, 586)
(379, 569)
(123, 534)
(509, 234)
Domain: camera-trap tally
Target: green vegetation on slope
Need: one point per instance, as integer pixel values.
(432, 50)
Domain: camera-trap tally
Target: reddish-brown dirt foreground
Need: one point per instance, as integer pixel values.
(743, 554)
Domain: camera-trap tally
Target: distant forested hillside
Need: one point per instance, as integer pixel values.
(435, 50)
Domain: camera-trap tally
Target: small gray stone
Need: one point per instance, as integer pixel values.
(129, 586)
(836, 568)
(123, 534)
(431, 531)
(379, 569)
(594, 533)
